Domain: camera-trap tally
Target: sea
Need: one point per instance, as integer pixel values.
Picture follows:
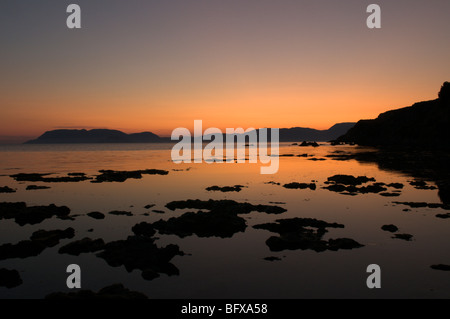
(241, 265)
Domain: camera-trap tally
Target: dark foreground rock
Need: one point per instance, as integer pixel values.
(38, 242)
(295, 185)
(120, 213)
(221, 219)
(390, 228)
(225, 206)
(421, 185)
(443, 216)
(96, 215)
(203, 224)
(390, 194)
(305, 143)
(423, 204)
(235, 188)
(9, 278)
(31, 215)
(51, 238)
(406, 237)
(6, 189)
(35, 177)
(304, 233)
(272, 258)
(441, 267)
(36, 187)
(348, 185)
(23, 249)
(85, 245)
(138, 252)
(350, 180)
(117, 291)
(122, 176)
(144, 229)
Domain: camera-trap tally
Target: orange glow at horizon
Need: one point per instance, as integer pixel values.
(282, 108)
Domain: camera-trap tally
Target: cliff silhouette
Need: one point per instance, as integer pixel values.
(424, 124)
(298, 134)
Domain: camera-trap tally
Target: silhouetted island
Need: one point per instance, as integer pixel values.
(424, 124)
(95, 136)
(62, 136)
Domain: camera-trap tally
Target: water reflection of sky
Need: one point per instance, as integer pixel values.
(232, 267)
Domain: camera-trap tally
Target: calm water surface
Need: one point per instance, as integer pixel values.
(233, 267)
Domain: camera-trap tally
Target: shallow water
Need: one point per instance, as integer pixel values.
(228, 267)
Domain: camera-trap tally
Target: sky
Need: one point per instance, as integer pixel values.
(157, 65)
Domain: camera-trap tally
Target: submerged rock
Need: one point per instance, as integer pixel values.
(140, 252)
(144, 229)
(149, 206)
(343, 243)
(390, 228)
(353, 190)
(305, 143)
(295, 185)
(349, 183)
(9, 278)
(406, 237)
(38, 242)
(272, 258)
(23, 249)
(36, 187)
(441, 267)
(423, 204)
(120, 213)
(31, 215)
(76, 174)
(96, 215)
(390, 194)
(35, 177)
(340, 157)
(421, 185)
(235, 188)
(444, 216)
(51, 238)
(396, 185)
(350, 180)
(222, 220)
(85, 245)
(203, 224)
(298, 233)
(117, 291)
(6, 189)
(122, 176)
(225, 206)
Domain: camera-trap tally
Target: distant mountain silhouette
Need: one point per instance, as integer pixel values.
(424, 124)
(94, 136)
(113, 136)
